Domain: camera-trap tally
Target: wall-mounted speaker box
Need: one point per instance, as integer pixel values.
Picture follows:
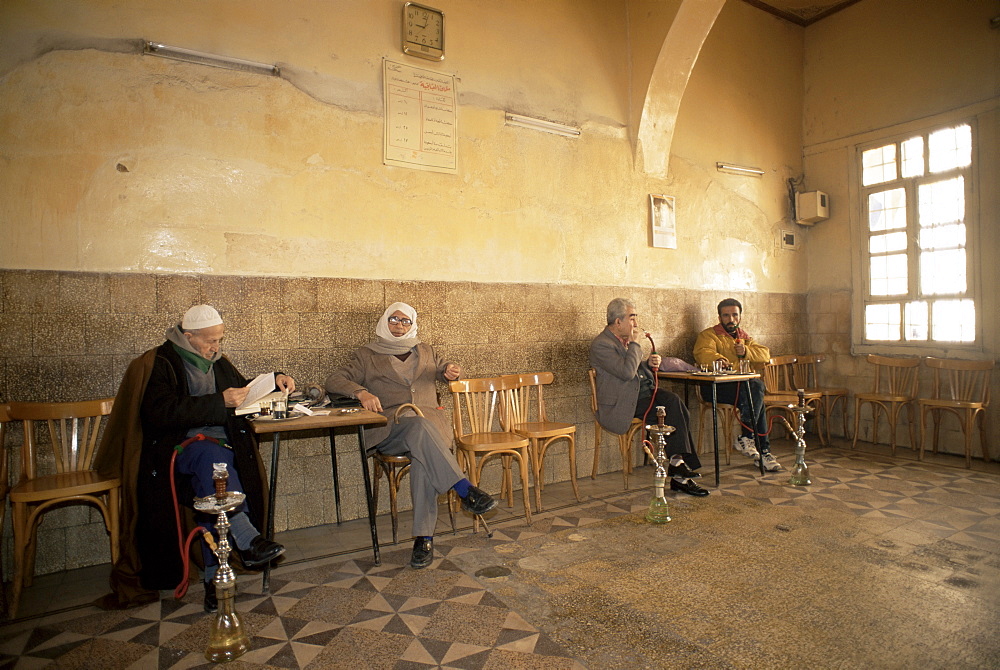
(811, 206)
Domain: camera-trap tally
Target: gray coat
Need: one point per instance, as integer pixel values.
(367, 370)
(617, 380)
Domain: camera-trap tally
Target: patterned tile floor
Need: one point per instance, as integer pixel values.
(342, 611)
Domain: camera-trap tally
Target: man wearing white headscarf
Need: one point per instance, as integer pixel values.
(397, 368)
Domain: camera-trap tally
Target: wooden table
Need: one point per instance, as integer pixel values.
(700, 379)
(338, 419)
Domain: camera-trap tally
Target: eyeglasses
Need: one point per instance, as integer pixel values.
(396, 319)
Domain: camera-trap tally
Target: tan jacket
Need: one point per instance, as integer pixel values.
(367, 370)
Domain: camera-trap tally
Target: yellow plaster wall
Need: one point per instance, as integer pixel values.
(742, 105)
(125, 163)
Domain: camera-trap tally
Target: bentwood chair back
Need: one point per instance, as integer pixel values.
(780, 390)
(729, 415)
(394, 468)
(894, 388)
(481, 435)
(963, 389)
(624, 441)
(56, 471)
(4, 486)
(526, 415)
(805, 376)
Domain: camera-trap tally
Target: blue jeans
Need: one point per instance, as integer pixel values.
(735, 393)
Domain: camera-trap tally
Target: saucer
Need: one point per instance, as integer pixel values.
(270, 418)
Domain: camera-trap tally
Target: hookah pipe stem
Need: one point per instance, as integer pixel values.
(656, 387)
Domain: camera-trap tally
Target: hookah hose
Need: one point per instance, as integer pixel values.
(652, 399)
(185, 546)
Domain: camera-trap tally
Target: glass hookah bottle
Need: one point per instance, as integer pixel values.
(659, 510)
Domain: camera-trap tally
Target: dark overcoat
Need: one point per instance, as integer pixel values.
(152, 414)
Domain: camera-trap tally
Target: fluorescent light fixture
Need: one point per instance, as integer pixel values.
(189, 56)
(739, 169)
(540, 124)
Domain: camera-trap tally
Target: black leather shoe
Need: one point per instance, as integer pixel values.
(423, 552)
(688, 487)
(682, 470)
(211, 601)
(478, 501)
(261, 552)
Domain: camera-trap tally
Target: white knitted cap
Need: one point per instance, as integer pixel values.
(200, 316)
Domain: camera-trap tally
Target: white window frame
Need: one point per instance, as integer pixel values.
(861, 282)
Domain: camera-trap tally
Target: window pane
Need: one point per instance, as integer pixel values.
(916, 321)
(943, 237)
(879, 244)
(950, 148)
(953, 321)
(882, 322)
(878, 165)
(942, 202)
(888, 274)
(942, 272)
(913, 157)
(887, 210)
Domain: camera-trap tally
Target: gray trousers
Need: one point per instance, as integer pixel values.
(433, 468)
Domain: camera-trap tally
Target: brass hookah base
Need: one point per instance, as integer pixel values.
(228, 638)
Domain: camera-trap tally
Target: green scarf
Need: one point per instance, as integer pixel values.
(194, 359)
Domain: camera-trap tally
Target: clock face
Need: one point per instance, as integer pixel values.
(423, 31)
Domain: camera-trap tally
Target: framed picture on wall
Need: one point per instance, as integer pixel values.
(662, 216)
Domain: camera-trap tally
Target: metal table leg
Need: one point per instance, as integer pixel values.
(269, 532)
(368, 494)
(336, 479)
(715, 428)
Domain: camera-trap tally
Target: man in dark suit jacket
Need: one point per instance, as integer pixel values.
(625, 389)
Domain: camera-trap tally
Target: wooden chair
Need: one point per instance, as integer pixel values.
(962, 388)
(806, 377)
(895, 387)
(729, 414)
(4, 487)
(478, 438)
(395, 468)
(780, 390)
(540, 432)
(72, 446)
(624, 441)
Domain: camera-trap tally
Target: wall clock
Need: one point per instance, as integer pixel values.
(423, 31)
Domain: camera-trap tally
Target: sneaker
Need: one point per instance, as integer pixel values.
(771, 463)
(746, 446)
